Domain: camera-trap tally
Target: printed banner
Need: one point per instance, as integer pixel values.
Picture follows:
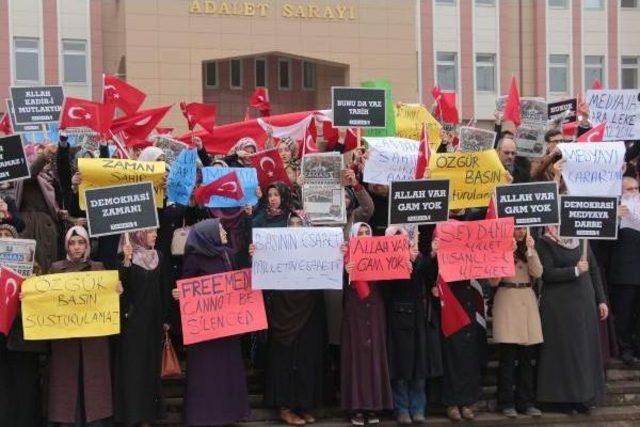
(171, 147)
(390, 159)
(589, 217)
(248, 181)
(620, 109)
(593, 169)
(473, 175)
(530, 204)
(380, 258)
(10, 283)
(323, 196)
(13, 160)
(358, 107)
(105, 172)
(182, 177)
(530, 142)
(41, 104)
(18, 255)
(38, 127)
(71, 305)
(631, 220)
(533, 111)
(297, 258)
(476, 139)
(419, 202)
(220, 305)
(563, 111)
(409, 121)
(475, 249)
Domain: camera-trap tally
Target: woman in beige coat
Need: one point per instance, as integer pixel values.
(517, 328)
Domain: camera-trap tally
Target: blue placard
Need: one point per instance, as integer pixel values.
(182, 177)
(248, 179)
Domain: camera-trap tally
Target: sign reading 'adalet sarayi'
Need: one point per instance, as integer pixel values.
(336, 12)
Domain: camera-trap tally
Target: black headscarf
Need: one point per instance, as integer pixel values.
(285, 196)
(204, 239)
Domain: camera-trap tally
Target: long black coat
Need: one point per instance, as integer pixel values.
(624, 256)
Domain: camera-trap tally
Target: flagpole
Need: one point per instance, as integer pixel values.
(358, 137)
(584, 249)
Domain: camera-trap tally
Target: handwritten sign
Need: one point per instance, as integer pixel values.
(18, 255)
(620, 109)
(71, 305)
(473, 175)
(593, 169)
(589, 217)
(182, 177)
(475, 249)
(530, 204)
(220, 305)
(380, 258)
(10, 282)
(390, 159)
(419, 202)
(248, 180)
(632, 219)
(358, 107)
(13, 160)
(104, 172)
(409, 121)
(297, 258)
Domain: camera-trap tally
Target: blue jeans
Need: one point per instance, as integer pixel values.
(409, 396)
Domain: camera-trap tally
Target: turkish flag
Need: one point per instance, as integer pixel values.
(164, 130)
(125, 96)
(453, 317)
(10, 283)
(595, 134)
(260, 100)
(5, 125)
(512, 108)
(446, 109)
(270, 168)
(424, 153)
(226, 186)
(492, 213)
(78, 112)
(596, 85)
(569, 129)
(199, 114)
(140, 124)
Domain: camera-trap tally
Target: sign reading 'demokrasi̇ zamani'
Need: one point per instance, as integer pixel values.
(358, 107)
(589, 217)
(40, 104)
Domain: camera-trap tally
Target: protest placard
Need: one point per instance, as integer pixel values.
(182, 177)
(530, 204)
(410, 118)
(419, 202)
(13, 160)
(297, 258)
(476, 139)
(18, 255)
(589, 217)
(475, 249)
(118, 209)
(358, 107)
(533, 110)
(17, 128)
(10, 283)
(473, 176)
(530, 142)
(104, 172)
(220, 305)
(169, 146)
(632, 219)
(593, 169)
(71, 305)
(37, 104)
(620, 109)
(380, 258)
(562, 111)
(323, 196)
(390, 159)
(248, 181)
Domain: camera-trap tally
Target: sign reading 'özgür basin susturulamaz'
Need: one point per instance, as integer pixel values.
(41, 104)
(358, 107)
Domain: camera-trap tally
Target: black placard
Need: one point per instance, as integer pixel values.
(358, 107)
(118, 209)
(20, 128)
(589, 217)
(558, 109)
(423, 201)
(530, 204)
(37, 104)
(13, 161)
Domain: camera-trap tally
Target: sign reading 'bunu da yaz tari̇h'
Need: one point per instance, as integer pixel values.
(358, 107)
(338, 12)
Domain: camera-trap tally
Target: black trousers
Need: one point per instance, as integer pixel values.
(516, 375)
(625, 301)
(19, 389)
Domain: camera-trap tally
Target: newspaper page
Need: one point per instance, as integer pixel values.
(322, 190)
(18, 255)
(171, 147)
(530, 142)
(476, 139)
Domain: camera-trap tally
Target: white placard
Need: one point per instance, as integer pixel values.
(620, 109)
(593, 168)
(390, 159)
(297, 258)
(632, 220)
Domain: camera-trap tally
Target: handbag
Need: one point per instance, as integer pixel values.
(179, 240)
(170, 364)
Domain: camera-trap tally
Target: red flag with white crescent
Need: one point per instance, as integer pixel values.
(595, 134)
(270, 168)
(126, 97)
(140, 124)
(424, 153)
(453, 316)
(78, 112)
(10, 283)
(226, 186)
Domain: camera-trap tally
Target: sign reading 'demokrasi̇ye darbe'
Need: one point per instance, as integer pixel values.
(220, 305)
(71, 305)
(589, 217)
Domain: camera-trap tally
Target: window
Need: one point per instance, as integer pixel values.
(630, 70)
(485, 72)
(308, 75)
(74, 58)
(559, 73)
(559, 4)
(446, 2)
(261, 72)
(211, 74)
(447, 70)
(594, 4)
(593, 70)
(629, 3)
(235, 74)
(284, 74)
(26, 59)
(486, 3)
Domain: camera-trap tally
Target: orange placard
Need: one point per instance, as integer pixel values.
(475, 249)
(380, 258)
(220, 305)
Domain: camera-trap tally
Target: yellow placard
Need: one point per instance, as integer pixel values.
(473, 176)
(103, 172)
(409, 121)
(71, 305)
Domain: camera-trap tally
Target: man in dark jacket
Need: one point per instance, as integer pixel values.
(518, 167)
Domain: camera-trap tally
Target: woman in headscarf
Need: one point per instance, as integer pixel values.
(151, 154)
(288, 150)
(216, 389)
(275, 208)
(240, 155)
(144, 306)
(572, 302)
(79, 371)
(366, 384)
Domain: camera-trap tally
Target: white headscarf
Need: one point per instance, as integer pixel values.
(356, 227)
(150, 154)
(78, 231)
